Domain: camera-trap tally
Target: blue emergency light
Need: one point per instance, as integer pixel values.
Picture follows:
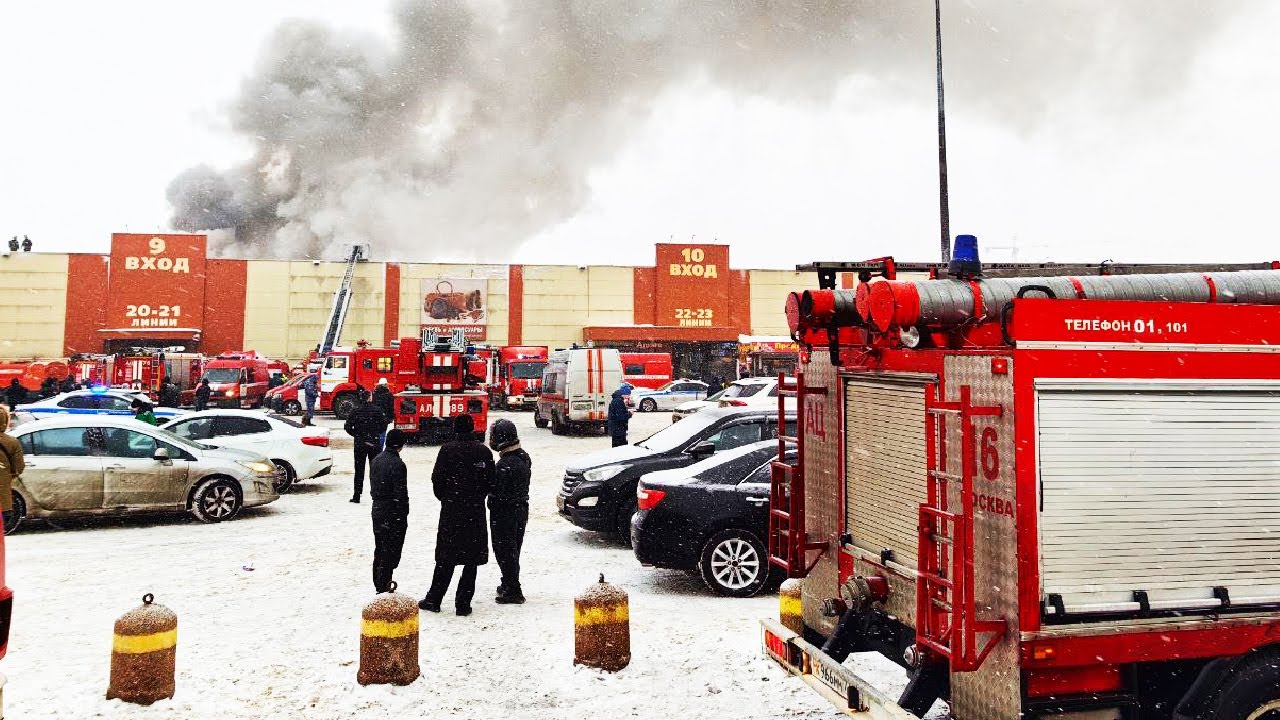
(98, 389)
(964, 258)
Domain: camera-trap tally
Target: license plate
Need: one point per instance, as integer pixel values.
(404, 426)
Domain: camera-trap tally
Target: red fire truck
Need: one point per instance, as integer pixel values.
(519, 376)
(646, 370)
(32, 374)
(438, 385)
(346, 370)
(240, 378)
(1045, 496)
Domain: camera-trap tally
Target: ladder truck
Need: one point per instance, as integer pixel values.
(436, 374)
(1045, 491)
(332, 334)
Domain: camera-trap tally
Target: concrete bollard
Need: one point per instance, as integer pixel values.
(790, 607)
(602, 627)
(389, 640)
(143, 652)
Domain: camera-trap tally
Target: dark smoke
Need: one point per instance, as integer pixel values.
(477, 125)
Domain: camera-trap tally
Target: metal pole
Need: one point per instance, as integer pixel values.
(944, 210)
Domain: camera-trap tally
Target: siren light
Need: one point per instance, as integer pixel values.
(965, 264)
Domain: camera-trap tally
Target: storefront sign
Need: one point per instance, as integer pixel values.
(692, 285)
(452, 303)
(156, 284)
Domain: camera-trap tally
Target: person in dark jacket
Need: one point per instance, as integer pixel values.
(310, 394)
(386, 402)
(619, 416)
(169, 394)
(509, 507)
(48, 388)
(389, 490)
(67, 385)
(15, 394)
(365, 425)
(461, 479)
(202, 395)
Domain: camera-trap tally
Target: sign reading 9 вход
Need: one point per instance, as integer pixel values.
(692, 285)
(157, 283)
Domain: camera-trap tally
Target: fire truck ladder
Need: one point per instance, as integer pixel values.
(789, 544)
(341, 301)
(947, 620)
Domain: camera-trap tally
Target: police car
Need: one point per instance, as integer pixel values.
(97, 401)
(668, 396)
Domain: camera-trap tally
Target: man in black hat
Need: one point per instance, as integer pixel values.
(509, 507)
(389, 489)
(365, 425)
(461, 479)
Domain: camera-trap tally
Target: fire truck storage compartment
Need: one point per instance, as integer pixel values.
(886, 463)
(1158, 493)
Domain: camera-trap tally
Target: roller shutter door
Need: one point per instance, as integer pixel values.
(1172, 491)
(885, 462)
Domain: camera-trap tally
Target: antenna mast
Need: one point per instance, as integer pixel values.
(944, 210)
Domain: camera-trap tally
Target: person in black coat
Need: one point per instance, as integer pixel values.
(389, 489)
(386, 402)
(170, 396)
(619, 416)
(48, 388)
(67, 385)
(461, 479)
(15, 394)
(366, 425)
(509, 507)
(202, 395)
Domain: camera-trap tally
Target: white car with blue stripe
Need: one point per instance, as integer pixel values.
(676, 392)
(97, 401)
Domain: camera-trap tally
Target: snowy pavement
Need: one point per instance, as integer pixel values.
(269, 615)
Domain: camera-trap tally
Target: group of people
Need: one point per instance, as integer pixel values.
(16, 394)
(465, 476)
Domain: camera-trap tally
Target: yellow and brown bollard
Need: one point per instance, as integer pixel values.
(790, 607)
(389, 640)
(602, 628)
(142, 654)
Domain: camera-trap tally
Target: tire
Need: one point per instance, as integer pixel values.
(539, 421)
(1252, 692)
(648, 405)
(290, 477)
(13, 518)
(344, 405)
(292, 408)
(557, 427)
(734, 564)
(215, 500)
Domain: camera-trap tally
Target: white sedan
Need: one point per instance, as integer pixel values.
(668, 396)
(300, 452)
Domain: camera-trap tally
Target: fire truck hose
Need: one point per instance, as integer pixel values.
(389, 640)
(143, 652)
(602, 627)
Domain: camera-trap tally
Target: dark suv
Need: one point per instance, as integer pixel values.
(599, 491)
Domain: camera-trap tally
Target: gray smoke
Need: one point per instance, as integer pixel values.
(476, 126)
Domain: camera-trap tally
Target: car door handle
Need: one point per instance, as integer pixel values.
(115, 467)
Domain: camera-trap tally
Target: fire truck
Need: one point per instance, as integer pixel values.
(1043, 491)
(32, 374)
(519, 376)
(347, 370)
(438, 385)
(646, 369)
(240, 378)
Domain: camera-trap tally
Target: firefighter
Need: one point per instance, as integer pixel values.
(619, 416)
(26, 244)
(15, 393)
(365, 425)
(462, 477)
(169, 395)
(389, 490)
(11, 462)
(509, 507)
(67, 385)
(310, 394)
(13, 244)
(142, 411)
(202, 395)
(48, 388)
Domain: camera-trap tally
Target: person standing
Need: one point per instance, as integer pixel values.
(619, 416)
(67, 385)
(202, 395)
(169, 395)
(461, 479)
(389, 490)
(12, 462)
(310, 394)
(509, 508)
(385, 402)
(365, 425)
(15, 394)
(48, 388)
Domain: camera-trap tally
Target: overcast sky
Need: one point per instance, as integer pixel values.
(105, 103)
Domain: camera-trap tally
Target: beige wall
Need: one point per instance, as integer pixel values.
(560, 300)
(769, 290)
(33, 308)
(411, 295)
(287, 305)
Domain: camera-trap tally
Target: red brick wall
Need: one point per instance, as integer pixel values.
(645, 300)
(515, 305)
(86, 312)
(225, 286)
(391, 305)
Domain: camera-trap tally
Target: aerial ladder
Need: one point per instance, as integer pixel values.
(341, 301)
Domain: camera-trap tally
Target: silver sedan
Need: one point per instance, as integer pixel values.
(101, 465)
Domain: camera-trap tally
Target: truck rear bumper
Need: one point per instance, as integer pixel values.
(835, 682)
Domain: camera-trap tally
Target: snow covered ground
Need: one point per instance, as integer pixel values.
(269, 615)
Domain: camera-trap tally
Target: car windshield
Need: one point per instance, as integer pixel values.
(668, 385)
(677, 434)
(171, 437)
(742, 390)
(718, 395)
(222, 375)
(528, 370)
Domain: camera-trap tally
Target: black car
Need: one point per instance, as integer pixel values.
(599, 491)
(712, 516)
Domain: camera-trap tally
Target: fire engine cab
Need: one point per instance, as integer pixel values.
(1046, 492)
(240, 379)
(438, 386)
(520, 376)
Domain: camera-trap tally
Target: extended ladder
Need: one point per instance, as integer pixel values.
(947, 620)
(341, 301)
(788, 542)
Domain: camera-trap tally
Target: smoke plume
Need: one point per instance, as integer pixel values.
(477, 124)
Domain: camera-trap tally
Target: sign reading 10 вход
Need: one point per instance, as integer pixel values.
(692, 285)
(157, 283)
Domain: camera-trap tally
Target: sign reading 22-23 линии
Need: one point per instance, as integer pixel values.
(693, 285)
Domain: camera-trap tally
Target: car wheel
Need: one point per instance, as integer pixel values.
(282, 485)
(648, 405)
(1252, 692)
(215, 500)
(734, 564)
(344, 405)
(539, 421)
(292, 407)
(13, 518)
(557, 427)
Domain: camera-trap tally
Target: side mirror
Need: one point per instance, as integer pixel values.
(161, 455)
(702, 450)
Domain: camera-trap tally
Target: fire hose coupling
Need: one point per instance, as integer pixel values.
(862, 592)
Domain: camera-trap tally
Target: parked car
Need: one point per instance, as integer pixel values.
(750, 392)
(684, 410)
(102, 465)
(299, 452)
(599, 490)
(712, 517)
(98, 401)
(284, 398)
(668, 396)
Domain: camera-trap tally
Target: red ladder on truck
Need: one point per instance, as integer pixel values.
(788, 542)
(947, 620)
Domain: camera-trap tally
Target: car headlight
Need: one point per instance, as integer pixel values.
(258, 466)
(231, 393)
(603, 473)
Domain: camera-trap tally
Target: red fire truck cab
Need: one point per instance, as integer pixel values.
(347, 370)
(239, 379)
(646, 370)
(519, 376)
(437, 383)
(1043, 497)
(32, 374)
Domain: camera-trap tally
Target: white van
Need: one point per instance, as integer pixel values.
(577, 386)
